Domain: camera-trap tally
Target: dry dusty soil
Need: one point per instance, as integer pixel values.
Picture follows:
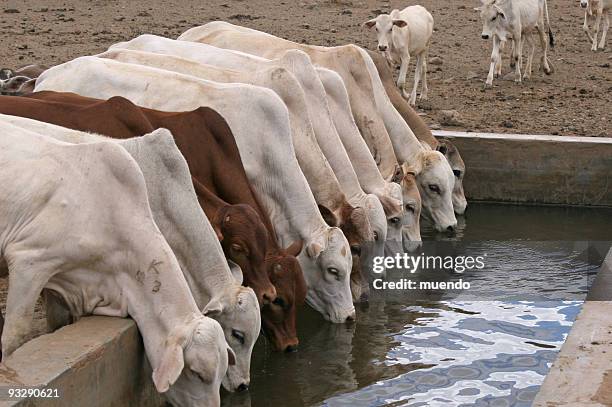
(575, 100)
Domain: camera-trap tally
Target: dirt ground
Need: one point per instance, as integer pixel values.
(575, 100)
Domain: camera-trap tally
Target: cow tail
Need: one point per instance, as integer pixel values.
(551, 37)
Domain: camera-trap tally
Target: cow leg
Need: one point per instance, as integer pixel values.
(597, 22)
(518, 58)
(495, 58)
(513, 52)
(531, 45)
(424, 88)
(405, 63)
(604, 31)
(498, 64)
(585, 27)
(25, 285)
(417, 78)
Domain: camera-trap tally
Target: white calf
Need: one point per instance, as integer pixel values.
(516, 19)
(595, 10)
(402, 34)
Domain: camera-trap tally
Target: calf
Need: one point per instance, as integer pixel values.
(516, 19)
(189, 235)
(208, 146)
(66, 224)
(254, 114)
(595, 10)
(422, 132)
(402, 34)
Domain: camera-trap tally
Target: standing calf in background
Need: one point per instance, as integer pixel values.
(402, 34)
(516, 20)
(595, 9)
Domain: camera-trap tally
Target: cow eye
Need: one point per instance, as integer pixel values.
(236, 247)
(334, 272)
(457, 173)
(356, 249)
(376, 237)
(494, 18)
(394, 220)
(239, 336)
(410, 208)
(434, 188)
(279, 301)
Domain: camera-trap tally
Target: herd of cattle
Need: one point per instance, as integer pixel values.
(207, 186)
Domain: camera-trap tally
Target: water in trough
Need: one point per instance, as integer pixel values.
(490, 346)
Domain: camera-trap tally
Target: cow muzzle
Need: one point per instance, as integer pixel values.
(382, 48)
(485, 36)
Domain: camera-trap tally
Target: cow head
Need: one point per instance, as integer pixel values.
(327, 263)
(194, 360)
(384, 24)
(494, 20)
(244, 237)
(391, 201)
(354, 223)
(5, 73)
(436, 182)
(279, 317)
(584, 3)
(237, 310)
(17, 85)
(412, 205)
(453, 157)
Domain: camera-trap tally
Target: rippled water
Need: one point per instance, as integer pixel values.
(491, 348)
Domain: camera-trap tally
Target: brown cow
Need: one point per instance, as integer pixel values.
(421, 131)
(205, 140)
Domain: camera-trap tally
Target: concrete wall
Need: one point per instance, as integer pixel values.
(535, 169)
(582, 373)
(98, 361)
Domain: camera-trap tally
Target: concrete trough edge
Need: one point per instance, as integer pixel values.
(535, 169)
(97, 361)
(582, 372)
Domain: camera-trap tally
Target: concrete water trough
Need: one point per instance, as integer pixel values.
(99, 361)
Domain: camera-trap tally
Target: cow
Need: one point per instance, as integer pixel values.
(20, 81)
(518, 19)
(422, 132)
(373, 112)
(594, 11)
(259, 121)
(190, 236)
(212, 156)
(355, 221)
(75, 220)
(402, 34)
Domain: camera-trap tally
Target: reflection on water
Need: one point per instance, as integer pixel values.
(461, 352)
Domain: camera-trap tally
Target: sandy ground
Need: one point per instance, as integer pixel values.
(575, 100)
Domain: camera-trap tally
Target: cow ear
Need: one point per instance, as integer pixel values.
(369, 24)
(314, 250)
(400, 23)
(442, 148)
(170, 366)
(236, 271)
(295, 248)
(218, 232)
(328, 216)
(231, 357)
(478, 8)
(398, 174)
(213, 309)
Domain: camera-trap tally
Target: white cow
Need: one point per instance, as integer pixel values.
(376, 117)
(182, 222)
(260, 124)
(402, 34)
(595, 10)
(516, 19)
(304, 96)
(75, 219)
